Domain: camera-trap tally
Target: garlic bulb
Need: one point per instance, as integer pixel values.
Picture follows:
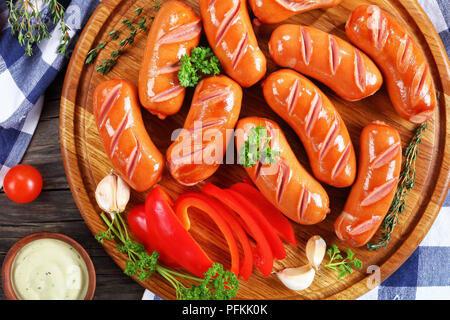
(112, 194)
(315, 250)
(297, 278)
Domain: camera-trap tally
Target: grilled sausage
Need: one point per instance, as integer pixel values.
(215, 108)
(326, 58)
(317, 123)
(127, 144)
(275, 11)
(230, 35)
(285, 182)
(406, 71)
(174, 33)
(380, 162)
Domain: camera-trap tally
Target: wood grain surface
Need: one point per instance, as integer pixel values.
(86, 162)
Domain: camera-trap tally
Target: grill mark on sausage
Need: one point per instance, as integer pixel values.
(340, 164)
(386, 156)
(133, 159)
(419, 84)
(293, 96)
(283, 178)
(404, 54)
(379, 192)
(189, 158)
(344, 217)
(167, 94)
(182, 33)
(363, 226)
(296, 5)
(377, 23)
(360, 74)
(306, 44)
(329, 139)
(313, 113)
(170, 68)
(108, 103)
(302, 203)
(240, 51)
(207, 125)
(118, 133)
(226, 22)
(334, 54)
(258, 170)
(209, 95)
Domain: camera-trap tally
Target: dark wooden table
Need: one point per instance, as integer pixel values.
(55, 210)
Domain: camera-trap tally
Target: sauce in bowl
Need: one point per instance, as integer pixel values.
(49, 269)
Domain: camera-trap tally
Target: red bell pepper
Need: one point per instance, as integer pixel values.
(275, 243)
(246, 266)
(137, 223)
(278, 221)
(228, 199)
(171, 237)
(203, 203)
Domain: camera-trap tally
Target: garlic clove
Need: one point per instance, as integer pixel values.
(297, 278)
(112, 194)
(315, 250)
(122, 194)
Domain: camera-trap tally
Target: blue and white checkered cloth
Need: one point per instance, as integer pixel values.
(23, 79)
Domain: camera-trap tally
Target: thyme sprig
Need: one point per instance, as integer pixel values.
(406, 183)
(135, 26)
(27, 24)
(216, 284)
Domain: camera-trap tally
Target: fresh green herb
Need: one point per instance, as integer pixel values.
(217, 284)
(27, 23)
(201, 62)
(135, 26)
(257, 148)
(344, 266)
(406, 183)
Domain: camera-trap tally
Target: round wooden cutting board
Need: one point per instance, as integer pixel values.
(86, 162)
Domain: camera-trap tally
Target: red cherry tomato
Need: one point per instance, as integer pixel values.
(23, 183)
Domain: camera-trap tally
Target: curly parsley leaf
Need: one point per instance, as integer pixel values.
(344, 266)
(217, 284)
(257, 148)
(201, 62)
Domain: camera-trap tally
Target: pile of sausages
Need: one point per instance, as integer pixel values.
(384, 50)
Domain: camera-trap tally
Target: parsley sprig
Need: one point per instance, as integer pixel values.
(26, 22)
(217, 283)
(341, 265)
(201, 62)
(257, 148)
(406, 183)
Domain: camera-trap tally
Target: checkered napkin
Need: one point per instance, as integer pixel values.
(23, 79)
(426, 274)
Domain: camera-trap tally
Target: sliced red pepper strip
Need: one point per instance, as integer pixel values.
(278, 221)
(227, 198)
(246, 266)
(275, 243)
(138, 225)
(172, 238)
(202, 202)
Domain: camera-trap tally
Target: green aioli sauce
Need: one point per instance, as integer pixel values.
(49, 269)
